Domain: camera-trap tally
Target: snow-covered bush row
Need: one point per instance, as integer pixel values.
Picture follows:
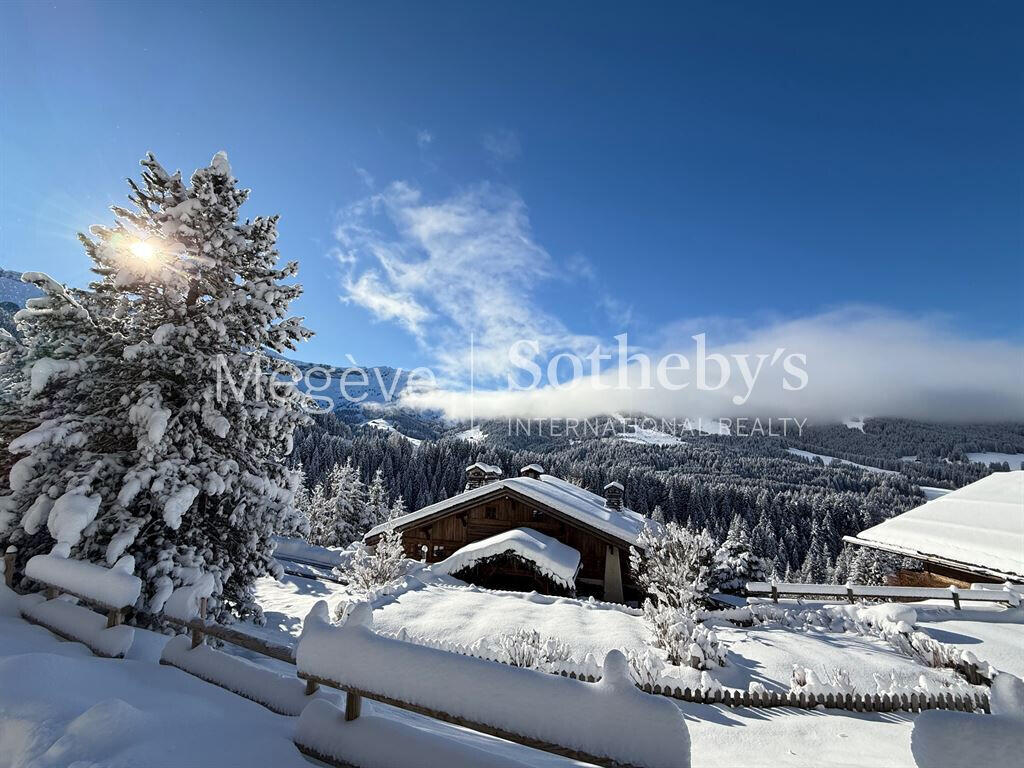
(76, 622)
(611, 718)
(115, 587)
(284, 694)
(374, 741)
(891, 622)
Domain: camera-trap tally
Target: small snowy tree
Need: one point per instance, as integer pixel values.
(373, 567)
(397, 508)
(376, 510)
(321, 514)
(735, 564)
(349, 496)
(673, 565)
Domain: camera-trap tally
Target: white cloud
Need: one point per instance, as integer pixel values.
(460, 268)
(424, 138)
(859, 361)
(503, 145)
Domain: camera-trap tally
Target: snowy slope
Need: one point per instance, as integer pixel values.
(826, 460)
(385, 426)
(1013, 459)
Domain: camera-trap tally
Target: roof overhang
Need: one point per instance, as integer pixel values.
(937, 560)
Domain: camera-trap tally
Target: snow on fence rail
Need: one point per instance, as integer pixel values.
(110, 589)
(609, 723)
(852, 591)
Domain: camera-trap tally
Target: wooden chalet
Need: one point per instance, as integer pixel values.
(600, 528)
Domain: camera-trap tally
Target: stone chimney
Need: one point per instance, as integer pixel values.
(613, 495)
(481, 474)
(533, 471)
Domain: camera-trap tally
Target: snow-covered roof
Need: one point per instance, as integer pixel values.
(549, 491)
(532, 468)
(979, 528)
(558, 561)
(488, 469)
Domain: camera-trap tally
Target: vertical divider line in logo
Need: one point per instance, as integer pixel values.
(472, 380)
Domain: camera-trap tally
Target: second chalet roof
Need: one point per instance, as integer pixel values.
(557, 494)
(979, 528)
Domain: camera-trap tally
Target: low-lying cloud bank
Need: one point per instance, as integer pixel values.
(858, 362)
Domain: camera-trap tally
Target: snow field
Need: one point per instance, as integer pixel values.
(611, 718)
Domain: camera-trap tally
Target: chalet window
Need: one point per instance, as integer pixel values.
(491, 513)
(537, 514)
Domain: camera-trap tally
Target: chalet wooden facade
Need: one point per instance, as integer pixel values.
(600, 529)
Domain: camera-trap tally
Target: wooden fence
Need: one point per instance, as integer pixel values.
(851, 592)
(200, 627)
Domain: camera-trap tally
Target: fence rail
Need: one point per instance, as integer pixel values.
(851, 592)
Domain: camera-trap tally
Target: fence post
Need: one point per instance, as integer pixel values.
(353, 706)
(12, 552)
(197, 634)
(312, 687)
(775, 593)
(113, 617)
(956, 596)
(849, 593)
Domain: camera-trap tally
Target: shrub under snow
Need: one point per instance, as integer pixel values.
(373, 567)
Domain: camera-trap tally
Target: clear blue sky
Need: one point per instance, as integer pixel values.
(735, 160)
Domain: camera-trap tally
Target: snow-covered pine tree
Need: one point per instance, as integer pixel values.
(376, 508)
(64, 420)
(322, 516)
(735, 563)
(398, 508)
(349, 496)
(180, 417)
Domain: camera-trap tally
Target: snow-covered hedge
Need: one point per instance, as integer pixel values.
(114, 587)
(610, 718)
(891, 622)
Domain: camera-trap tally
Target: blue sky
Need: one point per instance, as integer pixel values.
(609, 168)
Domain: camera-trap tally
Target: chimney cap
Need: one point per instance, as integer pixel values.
(615, 484)
(532, 470)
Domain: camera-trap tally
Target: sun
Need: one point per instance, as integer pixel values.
(143, 250)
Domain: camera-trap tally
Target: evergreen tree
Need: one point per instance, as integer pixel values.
(162, 420)
(349, 497)
(397, 509)
(377, 507)
(735, 563)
